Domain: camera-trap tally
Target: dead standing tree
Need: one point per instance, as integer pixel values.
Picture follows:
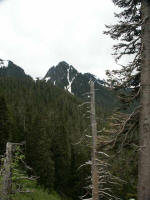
(12, 160)
(101, 180)
(95, 175)
(7, 177)
(94, 171)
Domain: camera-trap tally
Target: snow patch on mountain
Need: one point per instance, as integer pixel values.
(47, 79)
(67, 77)
(70, 81)
(4, 63)
(69, 86)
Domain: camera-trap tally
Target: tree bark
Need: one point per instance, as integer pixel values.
(95, 176)
(7, 177)
(144, 154)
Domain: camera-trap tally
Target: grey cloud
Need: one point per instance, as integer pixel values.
(38, 37)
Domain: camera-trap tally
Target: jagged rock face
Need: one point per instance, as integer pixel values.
(62, 75)
(9, 69)
(67, 77)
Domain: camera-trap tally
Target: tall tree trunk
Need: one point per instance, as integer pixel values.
(7, 177)
(144, 154)
(95, 176)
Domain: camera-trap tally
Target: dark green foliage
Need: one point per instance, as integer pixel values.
(4, 125)
(124, 165)
(38, 151)
(51, 122)
(127, 33)
(62, 158)
(48, 119)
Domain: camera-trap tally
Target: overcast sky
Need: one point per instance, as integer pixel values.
(37, 34)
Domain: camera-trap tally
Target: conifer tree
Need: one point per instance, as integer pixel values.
(128, 34)
(4, 125)
(62, 158)
(38, 151)
(134, 32)
(47, 119)
(126, 81)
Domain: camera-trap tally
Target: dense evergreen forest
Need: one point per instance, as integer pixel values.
(52, 123)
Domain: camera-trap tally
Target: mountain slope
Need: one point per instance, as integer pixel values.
(67, 77)
(50, 121)
(9, 69)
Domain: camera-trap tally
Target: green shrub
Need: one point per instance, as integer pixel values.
(38, 194)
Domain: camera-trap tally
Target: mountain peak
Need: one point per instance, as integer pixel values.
(62, 75)
(9, 69)
(67, 77)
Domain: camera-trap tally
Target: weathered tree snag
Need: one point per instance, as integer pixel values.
(144, 155)
(7, 177)
(95, 176)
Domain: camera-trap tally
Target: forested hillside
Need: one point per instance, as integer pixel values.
(49, 121)
(53, 124)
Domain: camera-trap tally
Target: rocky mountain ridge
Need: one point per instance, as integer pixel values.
(67, 77)
(9, 69)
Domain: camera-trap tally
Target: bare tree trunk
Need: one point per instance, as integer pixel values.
(7, 177)
(95, 176)
(144, 155)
